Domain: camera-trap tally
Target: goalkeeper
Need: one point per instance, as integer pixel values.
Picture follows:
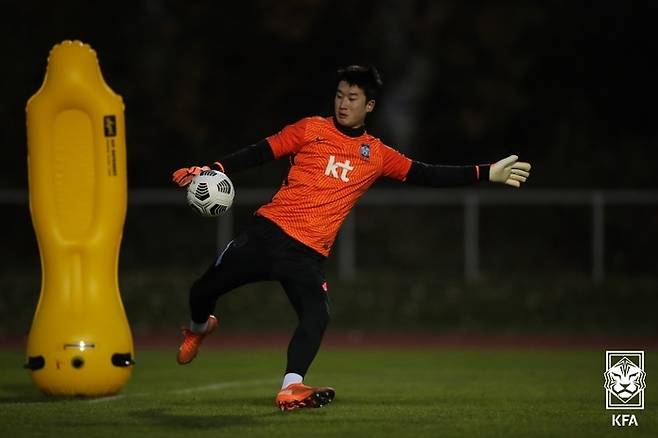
(333, 161)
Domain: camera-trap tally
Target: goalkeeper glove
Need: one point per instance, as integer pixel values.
(509, 171)
(183, 176)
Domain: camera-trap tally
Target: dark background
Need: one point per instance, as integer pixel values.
(569, 86)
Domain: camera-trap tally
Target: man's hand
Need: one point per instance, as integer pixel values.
(509, 171)
(184, 176)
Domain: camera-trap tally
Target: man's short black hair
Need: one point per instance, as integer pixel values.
(365, 77)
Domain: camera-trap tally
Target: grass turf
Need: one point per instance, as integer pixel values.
(380, 393)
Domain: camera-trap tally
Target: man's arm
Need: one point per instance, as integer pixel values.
(508, 171)
(285, 142)
(436, 175)
(245, 158)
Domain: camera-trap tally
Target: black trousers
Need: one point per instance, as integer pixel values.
(264, 252)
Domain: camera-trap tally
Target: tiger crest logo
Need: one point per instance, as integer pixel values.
(625, 380)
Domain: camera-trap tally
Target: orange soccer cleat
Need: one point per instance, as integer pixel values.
(298, 395)
(190, 346)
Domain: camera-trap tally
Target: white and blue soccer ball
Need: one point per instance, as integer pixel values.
(210, 193)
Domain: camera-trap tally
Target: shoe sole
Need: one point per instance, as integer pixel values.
(181, 362)
(316, 400)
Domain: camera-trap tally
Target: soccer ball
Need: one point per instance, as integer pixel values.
(210, 193)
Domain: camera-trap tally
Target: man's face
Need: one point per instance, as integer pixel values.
(350, 105)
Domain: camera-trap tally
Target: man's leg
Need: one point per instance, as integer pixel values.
(311, 304)
(244, 260)
(308, 297)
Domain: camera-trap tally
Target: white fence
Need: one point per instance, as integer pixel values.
(471, 200)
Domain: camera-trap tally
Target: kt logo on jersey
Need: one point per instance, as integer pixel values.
(624, 380)
(333, 166)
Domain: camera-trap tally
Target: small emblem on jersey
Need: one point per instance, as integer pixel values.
(325, 287)
(365, 151)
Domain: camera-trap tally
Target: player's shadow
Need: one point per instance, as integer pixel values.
(161, 418)
(22, 393)
(394, 402)
(28, 393)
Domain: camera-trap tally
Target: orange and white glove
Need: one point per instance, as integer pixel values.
(184, 176)
(509, 171)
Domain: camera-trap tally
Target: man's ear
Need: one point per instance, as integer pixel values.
(370, 105)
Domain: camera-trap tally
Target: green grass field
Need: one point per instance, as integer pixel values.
(380, 393)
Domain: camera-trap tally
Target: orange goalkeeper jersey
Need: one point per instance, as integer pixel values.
(330, 170)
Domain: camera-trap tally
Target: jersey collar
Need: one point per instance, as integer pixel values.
(350, 132)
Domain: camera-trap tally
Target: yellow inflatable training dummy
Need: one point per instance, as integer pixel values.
(80, 341)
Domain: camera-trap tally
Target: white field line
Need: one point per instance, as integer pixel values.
(214, 387)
